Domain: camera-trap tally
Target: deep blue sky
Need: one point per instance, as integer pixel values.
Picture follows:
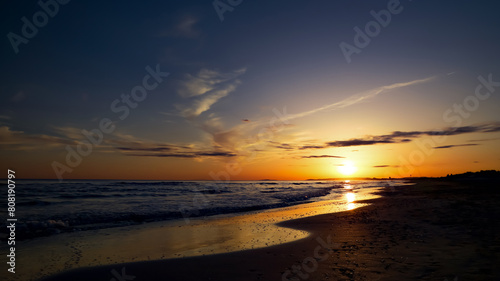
(264, 55)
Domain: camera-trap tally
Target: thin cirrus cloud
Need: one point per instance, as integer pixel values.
(171, 151)
(207, 87)
(204, 81)
(19, 140)
(357, 98)
(205, 103)
(185, 27)
(125, 144)
(130, 146)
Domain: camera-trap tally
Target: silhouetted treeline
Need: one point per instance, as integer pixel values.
(475, 175)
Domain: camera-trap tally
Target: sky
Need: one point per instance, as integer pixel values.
(249, 90)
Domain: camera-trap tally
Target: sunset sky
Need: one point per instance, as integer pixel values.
(257, 90)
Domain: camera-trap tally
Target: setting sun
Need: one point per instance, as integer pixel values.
(348, 168)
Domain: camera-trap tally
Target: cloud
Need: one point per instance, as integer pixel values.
(126, 144)
(285, 146)
(209, 86)
(129, 145)
(312, 147)
(184, 27)
(322, 156)
(203, 104)
(206, 80)
(455, 145)
(5, 120)
(481, 140)
(186, 155)
(403, 137)
(68, 132)
(386, 166)
(360, 142)
(169, 150)
(357, 98)
(149, 149)
(229, 139)
(19, 140)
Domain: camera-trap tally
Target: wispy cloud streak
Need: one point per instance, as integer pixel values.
(357, 98)
(455, 145)
(208, 86)
(322, 156)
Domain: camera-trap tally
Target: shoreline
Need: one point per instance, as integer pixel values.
(435, 230)
(171, 239)
(45, 216)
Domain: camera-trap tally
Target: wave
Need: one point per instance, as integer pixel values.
(85, 205)
(34, 203)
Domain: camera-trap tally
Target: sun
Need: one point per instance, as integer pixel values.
(348, 168)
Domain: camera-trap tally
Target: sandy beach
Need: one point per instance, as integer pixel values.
(435, 230)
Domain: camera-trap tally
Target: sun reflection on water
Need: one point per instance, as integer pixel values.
(350, 197)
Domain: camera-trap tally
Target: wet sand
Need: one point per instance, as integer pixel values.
(436, 230)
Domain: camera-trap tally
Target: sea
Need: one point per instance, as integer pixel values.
(49, 207)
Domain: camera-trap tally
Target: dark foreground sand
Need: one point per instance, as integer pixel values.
(436, 230)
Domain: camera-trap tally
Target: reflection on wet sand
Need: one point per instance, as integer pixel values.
(350, 197)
